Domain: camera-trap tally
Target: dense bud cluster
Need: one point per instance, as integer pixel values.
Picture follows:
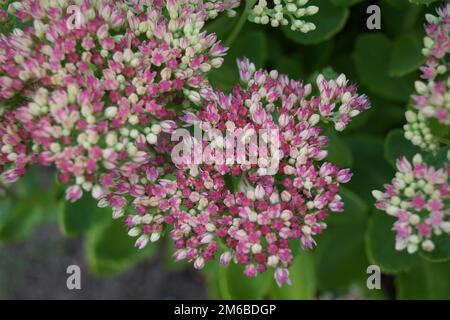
(283, 13)
(90, 85)
(431, 103)
(417, 199)
(99, 88)
(252, 222)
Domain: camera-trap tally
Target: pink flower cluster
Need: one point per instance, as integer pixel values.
(431, 100)
(214, 7)
(89, 87)
(418, 199)
(253, 222)
(96, 89)
(437, 43)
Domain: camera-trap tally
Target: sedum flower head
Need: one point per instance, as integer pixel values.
(418, 199)
(283, 13)
(90, 85)
(251, 223)
(431, 103)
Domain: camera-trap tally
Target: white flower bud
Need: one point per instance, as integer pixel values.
(414, 239)
(392, 210)
(414, 219)
(134, 232)
(274, 198)
(314, 119)
(194, 96)
(377, 194)
(421, 87)
(152, 138)
(155, 237)
(311, 10)
(155, 128)
(110, 112)
(428, 245)
(410, 116)
(417, 159)
(428, 42)
(259, 192)
(272, 261)
(306, 230)
(285, 196)
(199, 263)
(256, 248)
(252, 216)
(411, 248)
(97, 192)
(446, 227)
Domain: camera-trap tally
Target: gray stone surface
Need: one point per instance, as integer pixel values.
(36, 269)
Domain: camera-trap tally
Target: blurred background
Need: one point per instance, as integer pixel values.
(36, 269)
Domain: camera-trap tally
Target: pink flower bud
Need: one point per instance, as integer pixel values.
(225, 258)
(73, 193)
(282, 276)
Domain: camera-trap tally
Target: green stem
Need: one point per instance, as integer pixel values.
(242, 19)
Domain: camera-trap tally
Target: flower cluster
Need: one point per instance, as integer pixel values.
(249, 211)
(214, 7)
(418, 199)
(283, 13)
(90, 85)
(431, 103)
(98, 88)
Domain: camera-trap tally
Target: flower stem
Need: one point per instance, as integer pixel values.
(242, 19)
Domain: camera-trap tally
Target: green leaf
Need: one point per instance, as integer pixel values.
(340, 258)
(441, 251)
(31, 202)
(302, 274)
(427, 2)
(372, 51)
(79, 216)
(289, 65)
(19, 218)
(257, 52)
(355, 211)
(224, 78)
(380, 245)
(406, 55)
(37, 184)
(110, 250)
(427, 280)
(233, 284)
(317, 57)
(397, 146)
(345, 3)
(340, 254)
(438, 130)
(370, 168)
(383, 116)
(212, 273)
(401, 4)
(329, 20)
(338, 152)
(232, 182)
(438, 159)
(401, 17)
(227, 76)
(221, 26)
